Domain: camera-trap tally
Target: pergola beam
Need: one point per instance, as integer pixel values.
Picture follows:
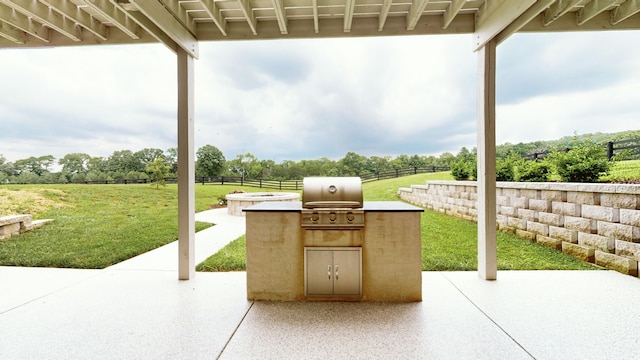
(248, 14)
(495, 16)
(558, 9)
(71, 11)
(316, 26)
(167, 23)
(415, 12)
(22, 22)
(595, 7)
(214, 12)
(42, 13)
(530, 14)
(281, 16)
(452, 12)
(116, 16)
(12, 33)
(384, 12)
(625, 11)
(348, 14)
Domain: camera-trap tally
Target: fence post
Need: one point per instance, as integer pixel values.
(609, 150)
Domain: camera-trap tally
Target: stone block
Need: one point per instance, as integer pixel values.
(597, 242)
(584, 198)
(628, 249)
(551, 219)
(501, 220)
(553, 195)
(526, 235)
(473, 196)
(618, 263)
(529, 193)
(503, 200)
(529, 215)
(516, 223)
(549, 242)
(540, 205)
(563, 234)
(520, 202)
(581, 224)
(581, 252)
(508, 211)
(601, 213)
(619, 231)
(537, 228)
(623, 201)
(563, 208)
(630, 217)
(510, 192)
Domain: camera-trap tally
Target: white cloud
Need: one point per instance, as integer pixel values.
(305, 99)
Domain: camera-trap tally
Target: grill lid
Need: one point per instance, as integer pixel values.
(332, 192)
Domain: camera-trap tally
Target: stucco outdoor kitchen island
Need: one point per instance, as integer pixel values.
(377, 259)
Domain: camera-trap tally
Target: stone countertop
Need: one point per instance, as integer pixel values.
(370, 206)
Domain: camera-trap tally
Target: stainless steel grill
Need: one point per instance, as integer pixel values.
(332, 203)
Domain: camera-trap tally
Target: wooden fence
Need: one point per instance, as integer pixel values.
(291, 185)
(612, 147)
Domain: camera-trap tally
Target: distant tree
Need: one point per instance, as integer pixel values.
(35, 165)
(122, 161)
(144, 157)
(97, 165)
(171, 159)
(210, 161)
(73, 164)
(353, 164)
(378, 164)
(159, 170)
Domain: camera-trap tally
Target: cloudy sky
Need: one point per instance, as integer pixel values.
(294, 100)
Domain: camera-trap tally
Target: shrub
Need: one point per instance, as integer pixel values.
(585, 162)
(537, 170)
(505, 167)
(461, 169)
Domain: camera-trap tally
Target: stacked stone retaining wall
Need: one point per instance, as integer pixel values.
(598, 223)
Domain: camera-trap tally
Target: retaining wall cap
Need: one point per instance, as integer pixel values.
(578, 187)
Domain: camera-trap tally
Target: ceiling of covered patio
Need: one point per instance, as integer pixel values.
(183, 23)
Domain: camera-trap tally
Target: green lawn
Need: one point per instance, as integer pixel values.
(447, 243)
(95, 226)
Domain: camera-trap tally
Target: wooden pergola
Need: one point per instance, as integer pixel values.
(182, 24)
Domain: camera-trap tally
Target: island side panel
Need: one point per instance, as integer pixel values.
(275, 256)
(391, 256)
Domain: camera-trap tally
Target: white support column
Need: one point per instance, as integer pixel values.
(487, 267)
(186, 168)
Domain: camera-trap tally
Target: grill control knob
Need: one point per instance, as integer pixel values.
(332, 217)
(315, 217)
(350, 217)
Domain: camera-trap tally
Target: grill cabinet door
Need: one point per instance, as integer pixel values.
(319, 272)
(333, 271)
(346, 272)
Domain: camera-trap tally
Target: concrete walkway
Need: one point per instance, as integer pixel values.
(139, 310)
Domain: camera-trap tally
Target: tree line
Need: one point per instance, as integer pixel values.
(210, 162)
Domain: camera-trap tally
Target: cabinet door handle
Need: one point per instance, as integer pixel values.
(336, 271)
(329, 272)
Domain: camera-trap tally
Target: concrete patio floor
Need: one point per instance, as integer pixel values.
(139, 310)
